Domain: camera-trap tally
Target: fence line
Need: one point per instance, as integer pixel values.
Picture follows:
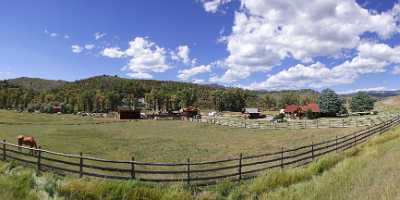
(192, 173)
(298, 124)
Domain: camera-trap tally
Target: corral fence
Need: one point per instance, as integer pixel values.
(193, 173)
(348, 122)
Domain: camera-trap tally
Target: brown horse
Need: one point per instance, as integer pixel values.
(27, 141)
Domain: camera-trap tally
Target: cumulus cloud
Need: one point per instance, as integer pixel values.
(186, 74)
(113, 52)
(145, 57)
(89, 46)
(371, 58)
(182, 54)
(265, 32)
(76, 49)
(99, 35)
(213, 5)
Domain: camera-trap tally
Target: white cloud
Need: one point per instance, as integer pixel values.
(66, 36)
(89, 46)
(76, 49)
(198, 81)
(140, 75)
(186, 74)
(213, 5)
(113, 52)
(99, 35)
(265, 32)
(51, 34)
(145, 57)
(396, 70)
(371, 58)
(182, 54)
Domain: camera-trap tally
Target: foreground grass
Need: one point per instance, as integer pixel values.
(160, 141)
(370, 172)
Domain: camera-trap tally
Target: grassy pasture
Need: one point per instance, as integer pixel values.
(389, 104)
(161, 141)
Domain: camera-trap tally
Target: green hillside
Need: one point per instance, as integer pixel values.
(37, 84)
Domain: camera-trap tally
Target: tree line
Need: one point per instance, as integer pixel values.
(108, 93)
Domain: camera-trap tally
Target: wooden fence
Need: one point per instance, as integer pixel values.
(301, 124)
(193, 173)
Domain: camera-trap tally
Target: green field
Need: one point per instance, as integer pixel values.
(366, 172)
(161, 141)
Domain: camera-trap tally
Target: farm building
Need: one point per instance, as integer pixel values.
(56, 109)
(252, 113)
(128, 113)
(300, 111)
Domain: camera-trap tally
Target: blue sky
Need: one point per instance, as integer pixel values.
(230, 42)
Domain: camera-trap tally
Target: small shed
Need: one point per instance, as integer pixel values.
(56, 109)
(127, 113)
(253, 113)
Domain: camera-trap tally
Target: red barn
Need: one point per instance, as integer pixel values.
(299, 111)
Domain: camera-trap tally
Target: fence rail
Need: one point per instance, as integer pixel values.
(299, 124)
(193, 173)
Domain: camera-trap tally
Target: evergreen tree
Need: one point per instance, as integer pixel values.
(361, 102)
(329, 103)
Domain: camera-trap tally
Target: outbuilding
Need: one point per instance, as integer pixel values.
(252, 113)
(128, 113)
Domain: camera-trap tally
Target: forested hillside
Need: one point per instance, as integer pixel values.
(37, 84)
(107, 93)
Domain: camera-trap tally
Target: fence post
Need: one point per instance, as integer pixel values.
(317, 123)
(312, 150)
(336, 144)
(305, 124)
(329, 122)
(39, 158)
(355, 140)
(240, 167)
(343, 123)
(80, 165)
(188, 171)
(4, 150)
(282, 158)
(133, 173)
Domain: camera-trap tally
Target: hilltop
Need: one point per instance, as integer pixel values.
(37, 84)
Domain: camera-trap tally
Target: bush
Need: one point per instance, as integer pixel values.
(279, 117)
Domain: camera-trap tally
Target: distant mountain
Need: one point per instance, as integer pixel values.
(378, 94)
(37, 84)
(383, 94)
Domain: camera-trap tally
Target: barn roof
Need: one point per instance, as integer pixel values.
(311, 106)
(296, 108)
(291, 108)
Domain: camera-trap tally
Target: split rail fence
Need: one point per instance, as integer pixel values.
(301, 124)
(193, 173)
